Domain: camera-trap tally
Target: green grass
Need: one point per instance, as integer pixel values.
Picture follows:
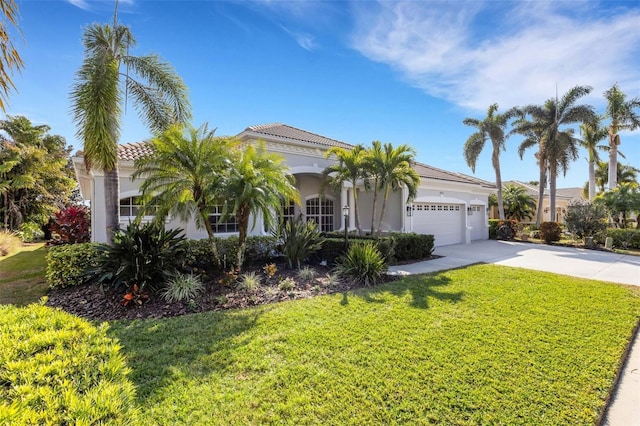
(479, 345)
(22, 279)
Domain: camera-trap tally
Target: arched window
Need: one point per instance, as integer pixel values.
(321, 211)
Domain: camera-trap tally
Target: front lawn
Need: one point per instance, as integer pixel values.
(480, 345)
(22, 278)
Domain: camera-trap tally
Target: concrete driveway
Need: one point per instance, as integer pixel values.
(592, 264)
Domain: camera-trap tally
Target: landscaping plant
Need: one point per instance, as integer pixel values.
(586, 219)
(550, 232)
(362, 264)
(72, 225)
(68, 265)
(300, 240)
(9, 242)
(182, 288)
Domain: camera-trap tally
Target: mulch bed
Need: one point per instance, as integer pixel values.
(90, 302)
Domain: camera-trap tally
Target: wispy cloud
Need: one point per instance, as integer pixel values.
(473, 54)
(82, 4)
(304, 40)
(90, 5)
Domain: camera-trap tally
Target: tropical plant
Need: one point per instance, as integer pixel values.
(362, 264)
(518, 204)
(36, 178)
(249, 282)
(101, 91)
(621, 201)
(183, 175)
(623, 117)
(592, 133)
(30, 232)
(9, 242)
(142, 256)
(586, 219)
(300, 240)
(625, 174)
(491, 128)
(256, 184)
(350, 168)
(392, 168)
(557, 146)
(550, 232)
(182, 288)
(10, 59)
(72, 225)
(306, 273)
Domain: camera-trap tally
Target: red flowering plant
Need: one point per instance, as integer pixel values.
(72, 225)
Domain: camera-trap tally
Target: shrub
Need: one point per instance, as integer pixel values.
(270, 270)
(287, 284)
(332, 279)
(585, 219)
(306, 273)
(56, 368)
(198, 257)
(332, 248)
(412, 246)
(249, 282)
(624, 238)
(550, 231)
(72, 225)
(30, 232)
(9, 242)
(146, 256)
(507, 229)
(261, 249)
(68, 265)
(362, 264)
(300, 239)
(493, 228)
(182, 288)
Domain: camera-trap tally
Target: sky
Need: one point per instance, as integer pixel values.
(355, 71)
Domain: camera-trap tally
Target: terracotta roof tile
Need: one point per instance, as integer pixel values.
(133, 151)
(430, 172)
(289, 132)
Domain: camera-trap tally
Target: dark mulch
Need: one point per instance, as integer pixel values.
(90, 302)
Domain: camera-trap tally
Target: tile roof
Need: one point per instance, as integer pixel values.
(293, 133)
(570, 193)
(133, 151)
(430, 172)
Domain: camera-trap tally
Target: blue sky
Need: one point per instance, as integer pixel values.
(400, 72)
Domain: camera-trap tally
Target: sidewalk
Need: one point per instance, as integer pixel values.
(624, 407)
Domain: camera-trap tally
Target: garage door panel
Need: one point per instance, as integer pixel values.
(444, 221)
(477, 222)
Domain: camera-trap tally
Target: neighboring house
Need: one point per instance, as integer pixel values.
(563, 197)
(451, 206)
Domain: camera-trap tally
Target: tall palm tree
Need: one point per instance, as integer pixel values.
(592, 133)
(9, 58)
(350, 168)
(101, 91)
(623, 117)
(491, 128)
(255, 184)
(183, 175)
(557, 143)
(395, 171)
(372, 164)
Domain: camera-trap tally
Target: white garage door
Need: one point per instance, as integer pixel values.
(446, 222)
(477, 222)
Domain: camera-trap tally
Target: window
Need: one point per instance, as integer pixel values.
(219, 226)
(320, 210)
(288, 211)
(130, 206)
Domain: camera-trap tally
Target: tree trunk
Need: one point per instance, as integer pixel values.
(592, 180)
(553, 170)
(496, 167)
(243, 221)
(355, 208)
(543, 184)
(613, 159)
(384, 208)
(212, 238)
(112, 202)
(373, 209)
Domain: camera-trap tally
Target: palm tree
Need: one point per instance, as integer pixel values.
(101, 91)
(372, 164)
(10, 58)
(350, 168)
(592, 133)
(395, 172)
(624, 174)
(183, 176)
(519, 205)
(257, 183)
(557, 145)
(491, 128)
(623, 117)
(622, 201)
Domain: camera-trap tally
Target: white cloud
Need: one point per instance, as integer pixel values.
(82, 4)
(304, 40)
(461, 53)
(87, 4)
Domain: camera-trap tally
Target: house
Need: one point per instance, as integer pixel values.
(451, 206)
(564, 196)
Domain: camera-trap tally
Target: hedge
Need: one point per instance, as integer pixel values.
(260, 249)
(413, 246)
(66, 264)
(624, 238)
(59, 369)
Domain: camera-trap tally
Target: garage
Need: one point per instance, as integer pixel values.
(446, 221)
(477, 222)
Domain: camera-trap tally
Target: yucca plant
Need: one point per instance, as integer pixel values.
(300, 240)
(362, 264)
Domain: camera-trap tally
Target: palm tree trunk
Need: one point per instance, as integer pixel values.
(496, 167)
(210, 234)
(613, 159)
(552, 191)
(242, 216)
(543, 183)
(384, 208)
(592, 179)
(112, 202)
(373, 209)
(355, 208)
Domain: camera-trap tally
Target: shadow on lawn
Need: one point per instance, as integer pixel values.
(421, 289)
(161, 351)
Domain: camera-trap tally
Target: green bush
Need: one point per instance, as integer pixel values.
(585, 219)
(494, 224)
(624, 238)
(67, 265)
(412, 246)
(332, 249)
(182, 288)
(300, 239)
(550, 232)
(58, 369)
(362, 264)
(30, 232)
(199, 257)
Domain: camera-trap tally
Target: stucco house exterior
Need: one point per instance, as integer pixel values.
(451, 206)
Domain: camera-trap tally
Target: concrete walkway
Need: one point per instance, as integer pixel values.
(624, 408)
